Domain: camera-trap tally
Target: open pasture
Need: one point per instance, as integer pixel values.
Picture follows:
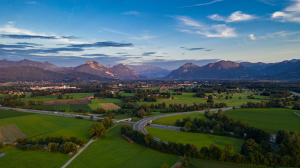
(34, 125)
(56, 102)
(109, 106)
(198, 139)
(172, 119)
(10, 133)
(76, 96)
(271, 120)
(187, 98)
(112, 151)
(15, 158)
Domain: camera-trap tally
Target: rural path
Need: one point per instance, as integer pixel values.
(85, 146)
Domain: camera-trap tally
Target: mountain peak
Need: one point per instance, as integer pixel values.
(187, 65)
(224, 64)
(93, 64)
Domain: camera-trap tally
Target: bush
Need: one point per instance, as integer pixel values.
(2, 144)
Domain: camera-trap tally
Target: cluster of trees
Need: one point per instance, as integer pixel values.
(7, 101)
(177, 93)
(50, 139)
(297, 105)
(221, 122)
(199, 94)
(273, 103)
(104, 94)
(99, 128)
(275, 93)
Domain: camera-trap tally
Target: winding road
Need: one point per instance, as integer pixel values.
(140, 125)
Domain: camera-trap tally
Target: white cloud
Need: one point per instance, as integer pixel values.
(217, 30)
(131, 13)
(252, 37)
(290, 13)
(203, 4)
(10, 29)
(234, 17)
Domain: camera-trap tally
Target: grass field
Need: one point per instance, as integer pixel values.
(33, 125)
(76, 96)
(112, 151)
(172, 119)
(271, 120)
(187, 98)
(15, 158)
(199, 140)
(84, 107)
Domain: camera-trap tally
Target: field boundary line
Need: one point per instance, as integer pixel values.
(85, 146)
(297, 113)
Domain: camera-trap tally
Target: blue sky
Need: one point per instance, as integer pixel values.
(69, 33)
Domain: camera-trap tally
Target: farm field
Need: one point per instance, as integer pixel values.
(84, 107)
(76, 96)
(172, 119)
(10, 133)
(112, 151)
(23, 159)
(109, 106)
(271, 120)
(198, 139)
(33, 125)
(187, 98)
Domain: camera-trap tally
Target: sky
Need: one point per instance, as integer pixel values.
(162, 33)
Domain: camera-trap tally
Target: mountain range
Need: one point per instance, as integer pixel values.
(27, 70)
(231, 70)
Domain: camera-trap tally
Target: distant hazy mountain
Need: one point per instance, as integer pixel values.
(256, 66)
(124, 72)
(279, 67)
(290, 74)
(149, 71)
(46, 65)
(219, 70)
(30, 73)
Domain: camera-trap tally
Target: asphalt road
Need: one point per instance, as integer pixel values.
(52, 113)
(295, 93)
(140, 125)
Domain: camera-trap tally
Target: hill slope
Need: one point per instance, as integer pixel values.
(29, 73)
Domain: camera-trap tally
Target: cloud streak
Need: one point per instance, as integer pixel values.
(148, 53)
(131, 13)
(103, 44)
(202, 4)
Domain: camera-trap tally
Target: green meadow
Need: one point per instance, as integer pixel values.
(198, 139)
(172, 119)
(112, 151)
(15, 158)
(34, 125)
(271, 120)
